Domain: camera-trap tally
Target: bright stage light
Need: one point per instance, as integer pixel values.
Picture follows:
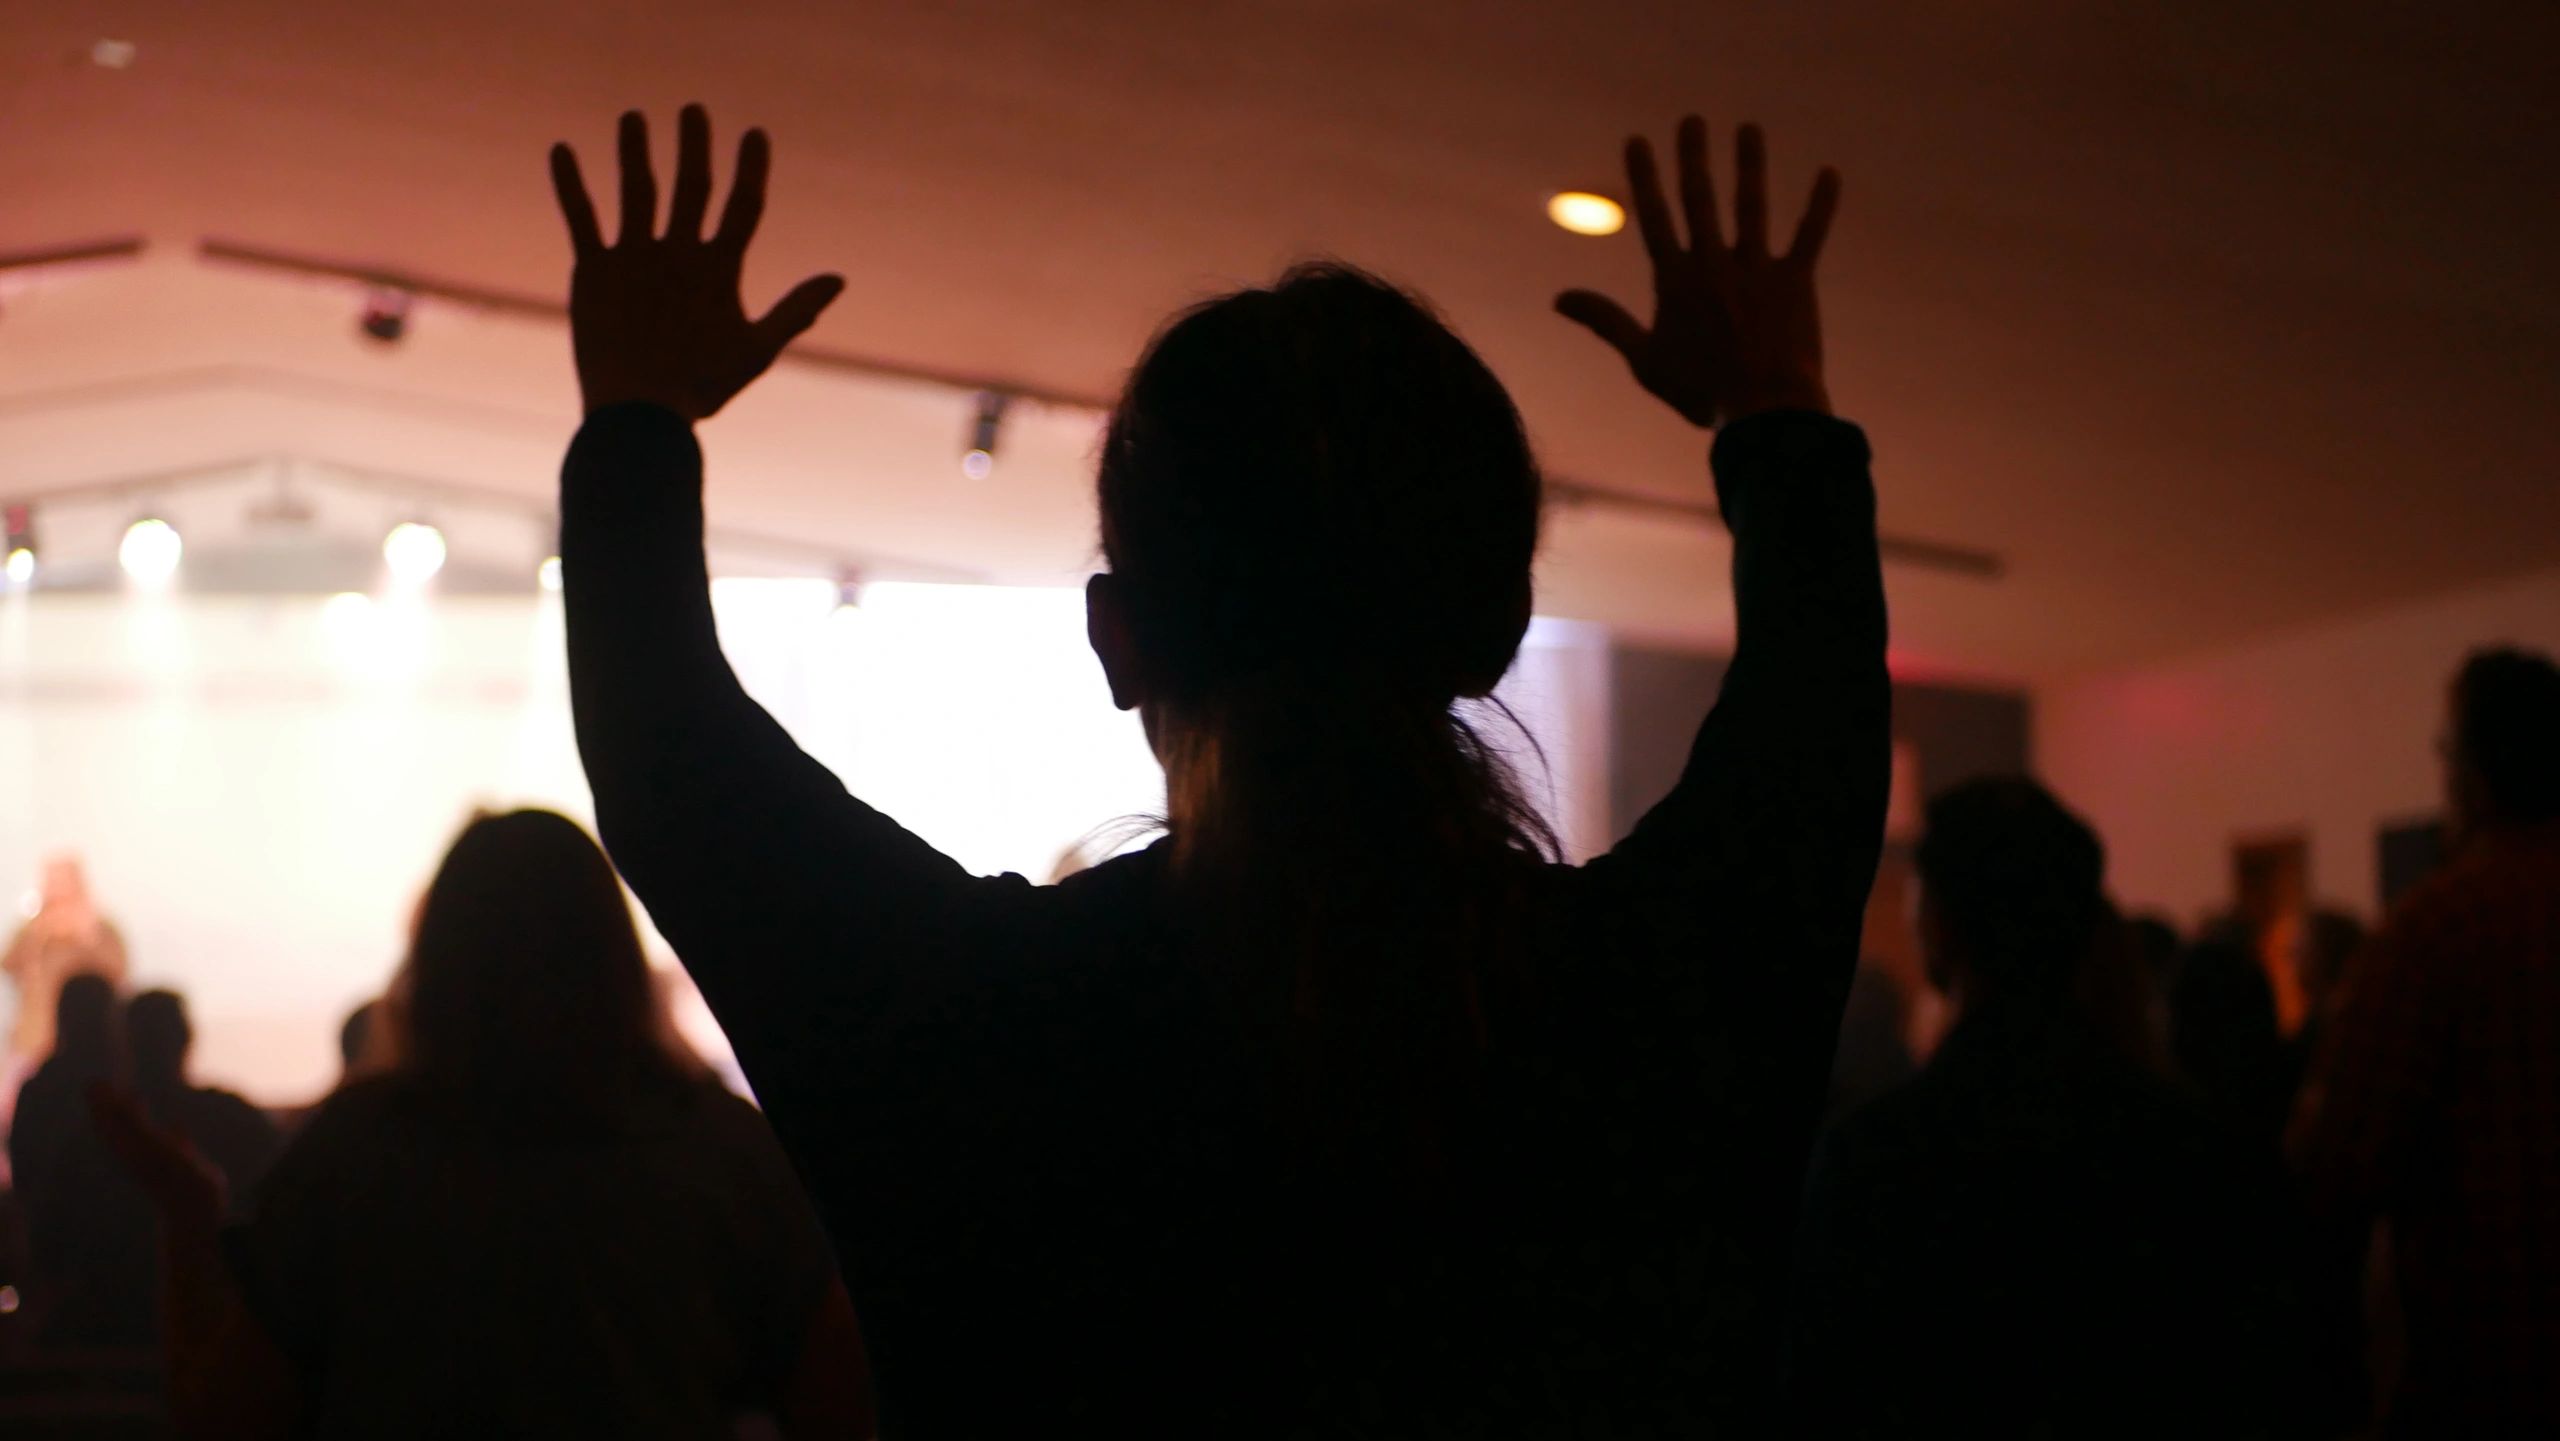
(415, 552)
(1586, 214)
(150, 550)
(22, 566)
(547, 575)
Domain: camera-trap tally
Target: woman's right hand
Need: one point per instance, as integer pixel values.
(656, 317)
(1735, 328)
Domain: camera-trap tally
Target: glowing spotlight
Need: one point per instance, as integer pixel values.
(346, 609)
(547, 575)
(1584, 213)
(415, 552)
(848, 589)
(8, 1299)
(22, 565)
(977, 464)
(150, 550)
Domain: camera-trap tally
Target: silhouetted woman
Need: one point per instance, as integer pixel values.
(539, 1220)
(1342, 1109)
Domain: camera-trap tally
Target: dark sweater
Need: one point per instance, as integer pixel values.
(1037, 1122)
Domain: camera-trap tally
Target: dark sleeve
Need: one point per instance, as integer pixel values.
(796, 908)
(1736, 904)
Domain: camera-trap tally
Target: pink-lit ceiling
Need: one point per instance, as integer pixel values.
(2210, 319)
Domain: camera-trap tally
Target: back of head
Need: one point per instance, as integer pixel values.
(2014, 885)
(2506, 734)
(156, 1028)
(1319, 509)
(86, 1035)
(526, 996)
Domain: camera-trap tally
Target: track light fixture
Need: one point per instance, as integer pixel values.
(979, 460)
(150, 550)
(21, 543)
(386, 315)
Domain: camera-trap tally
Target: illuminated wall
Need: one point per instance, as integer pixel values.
(260, 786)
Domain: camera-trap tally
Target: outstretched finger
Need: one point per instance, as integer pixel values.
(1653, 215)
(797, 311)
(575, 208)
(738, 219)
(639, 183)
(1751, 192)
(1815, 227)
(691, 198)
(1605, 318)
(1698, 186)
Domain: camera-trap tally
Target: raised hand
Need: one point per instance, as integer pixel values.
(657, 317)
(1735, 328)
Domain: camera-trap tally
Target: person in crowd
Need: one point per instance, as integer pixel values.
(1341, 1109)
(238, 1138)
(537, 1220)
(2224, 1040)
(2036, 1236)
(2434, 1105)
(88, 1230)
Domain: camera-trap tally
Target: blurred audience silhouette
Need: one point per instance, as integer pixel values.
(536, 1220)
(238, 1138)
(91, 1281)
(2434, 1105)
(2036, 1236)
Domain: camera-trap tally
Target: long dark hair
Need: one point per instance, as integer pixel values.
(1319, 508)
(526, 997)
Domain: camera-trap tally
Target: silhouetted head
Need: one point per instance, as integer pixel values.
(2502, 747)
(1315, 486)
(355, 1036)
(1319, 511)
(2012, 892)
(87, 1038)
(525, 990)
(156, 1028)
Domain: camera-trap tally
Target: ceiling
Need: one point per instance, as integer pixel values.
(2209, 318)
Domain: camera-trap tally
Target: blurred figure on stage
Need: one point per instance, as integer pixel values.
(65, 937)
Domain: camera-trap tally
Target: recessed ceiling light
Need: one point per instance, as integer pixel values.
(1584, 213)
(113, 54)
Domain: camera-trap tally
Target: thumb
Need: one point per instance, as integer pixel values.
(1603, 317)
(797, 311)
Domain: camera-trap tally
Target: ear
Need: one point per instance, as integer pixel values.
(1480, 679)
(1107, 630)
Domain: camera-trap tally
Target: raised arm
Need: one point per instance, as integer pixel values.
(789, 901)
(1769, 841)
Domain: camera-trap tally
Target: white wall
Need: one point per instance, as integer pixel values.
(2328, 731)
